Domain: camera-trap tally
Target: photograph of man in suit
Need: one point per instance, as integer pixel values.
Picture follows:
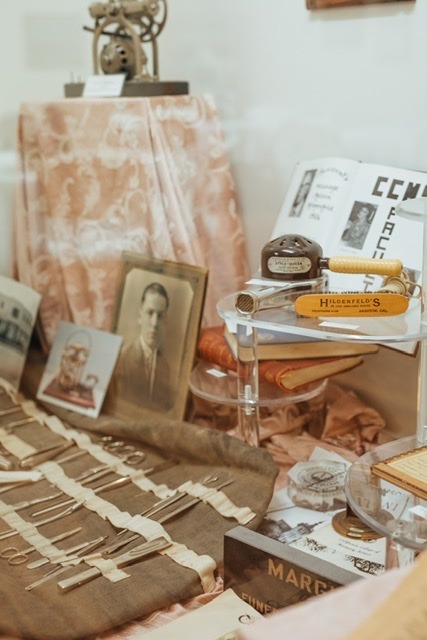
(303, 191)
(143, 370)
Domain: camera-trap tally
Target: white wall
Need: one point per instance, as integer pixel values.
(42, 43)
(289, 85)
(292, 84)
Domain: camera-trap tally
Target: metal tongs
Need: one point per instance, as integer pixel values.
(136, 554)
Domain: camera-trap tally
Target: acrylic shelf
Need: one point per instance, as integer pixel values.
(406, 327)
(210, 382)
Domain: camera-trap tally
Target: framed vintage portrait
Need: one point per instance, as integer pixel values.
(329, 4)
(158, 313)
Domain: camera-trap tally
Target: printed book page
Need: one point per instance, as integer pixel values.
(370, 227)
(363, 557)
(311, 531)
(348, 208)
(318, 192)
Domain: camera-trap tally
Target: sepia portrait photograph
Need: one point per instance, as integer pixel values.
(158, 314)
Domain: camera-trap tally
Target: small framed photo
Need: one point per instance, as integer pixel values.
(158, 313)
(19, 305)
(79, 368)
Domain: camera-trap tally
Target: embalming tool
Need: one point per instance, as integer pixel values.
(6, 463)
(69, 551)
(17, 423)
(72, 456)
(42, 455)
(126, 452)
(21, 483)
(124, 560)
(162, 504)
(91, 475)
(166, 502)
(56, 571)
(98, 473)
(115, 546)
(9, 410)
(13, 532)
(191, 503)
(103, 487)
(17, 556)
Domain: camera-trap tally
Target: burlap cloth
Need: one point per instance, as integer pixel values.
(157, 582)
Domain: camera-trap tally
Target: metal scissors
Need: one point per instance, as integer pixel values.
(20, 556)
(126, 452)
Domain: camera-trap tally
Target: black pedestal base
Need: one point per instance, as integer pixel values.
(136, 89)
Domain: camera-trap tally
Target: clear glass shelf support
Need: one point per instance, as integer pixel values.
(408, 327)
(416, 209)
(247, 384)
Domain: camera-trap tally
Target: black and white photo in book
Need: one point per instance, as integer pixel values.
(18, 311)
(340, 190)
(158, 314)
(358, 224)
(302, 193)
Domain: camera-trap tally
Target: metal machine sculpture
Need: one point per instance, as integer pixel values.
(135, 23)
(129, 25)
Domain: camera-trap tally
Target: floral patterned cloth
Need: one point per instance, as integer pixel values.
(149, 175)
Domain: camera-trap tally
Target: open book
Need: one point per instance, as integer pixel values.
(348, 207)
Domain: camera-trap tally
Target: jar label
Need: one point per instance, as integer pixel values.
(300, 264)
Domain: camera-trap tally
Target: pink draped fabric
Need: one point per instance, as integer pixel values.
(149, 175)
(331, 616)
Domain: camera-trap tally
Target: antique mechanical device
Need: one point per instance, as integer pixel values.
(122, 32)
(293, 272)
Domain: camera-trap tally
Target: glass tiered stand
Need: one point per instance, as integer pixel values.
(388, 510)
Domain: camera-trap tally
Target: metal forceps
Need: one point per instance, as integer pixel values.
(42, 455)
(126, 452)
(17, 556)
(5, 462)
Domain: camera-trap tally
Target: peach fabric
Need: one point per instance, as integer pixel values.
(137, 628)
(333, 615)
(149, 175)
